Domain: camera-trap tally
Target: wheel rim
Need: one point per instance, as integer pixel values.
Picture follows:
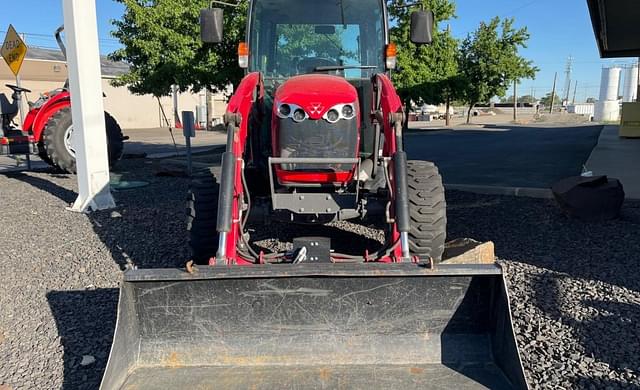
(68, 139)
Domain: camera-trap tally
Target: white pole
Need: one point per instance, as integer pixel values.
(18, 84)
(85, 84)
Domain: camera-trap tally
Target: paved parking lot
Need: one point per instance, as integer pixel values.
(505, 155)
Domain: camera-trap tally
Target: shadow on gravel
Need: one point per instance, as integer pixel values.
(64, 194)
(601, 316)
(607, 331)
(534, 231)
(148, 226)
(86, 331)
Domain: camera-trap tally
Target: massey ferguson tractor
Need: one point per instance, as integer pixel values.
(315, 136)
(47, 128)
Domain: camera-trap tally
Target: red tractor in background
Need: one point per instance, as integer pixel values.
(48, 128)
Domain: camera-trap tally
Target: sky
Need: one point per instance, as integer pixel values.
(558, 28)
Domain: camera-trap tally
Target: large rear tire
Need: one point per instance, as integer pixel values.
(56, 138)
(202, 215)
(428, 210)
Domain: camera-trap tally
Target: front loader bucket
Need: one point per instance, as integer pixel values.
(315, 326)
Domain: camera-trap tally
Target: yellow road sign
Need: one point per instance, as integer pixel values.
(13, 50)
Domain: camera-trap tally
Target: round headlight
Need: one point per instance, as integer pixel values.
(298, 115)
(284, 110)
(347, 111)
(333, 116)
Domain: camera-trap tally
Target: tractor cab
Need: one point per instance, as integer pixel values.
(288, 38)
(317, 60)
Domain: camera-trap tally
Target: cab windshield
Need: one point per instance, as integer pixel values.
(292, 37)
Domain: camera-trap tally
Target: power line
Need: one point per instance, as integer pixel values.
(47, 36)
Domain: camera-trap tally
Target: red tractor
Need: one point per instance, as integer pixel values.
(315, 136)
(48, 125)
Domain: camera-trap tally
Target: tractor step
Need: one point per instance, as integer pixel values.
(17, 144)
(315, 325)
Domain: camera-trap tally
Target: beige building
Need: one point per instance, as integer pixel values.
(45, 70)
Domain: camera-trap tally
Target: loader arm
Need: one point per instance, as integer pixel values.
(249, 92)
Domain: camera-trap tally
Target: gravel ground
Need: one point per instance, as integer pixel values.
(574, 287)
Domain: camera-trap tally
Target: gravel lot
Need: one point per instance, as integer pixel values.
(575, 288)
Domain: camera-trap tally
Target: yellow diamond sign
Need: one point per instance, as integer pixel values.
(13, 50)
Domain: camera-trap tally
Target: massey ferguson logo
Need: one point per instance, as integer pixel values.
(315, 108)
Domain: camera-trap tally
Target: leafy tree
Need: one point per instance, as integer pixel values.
(591, 100)
(427, 73)
(489, 61)
(546, 100)
(161, 40)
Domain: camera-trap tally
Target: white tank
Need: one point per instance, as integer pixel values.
(609, 83)
(607, 111)
(630, 87)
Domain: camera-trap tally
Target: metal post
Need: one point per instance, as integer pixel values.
(575, 89)
(515, 100)
(188, 129)
(553, 93)
(85, 84)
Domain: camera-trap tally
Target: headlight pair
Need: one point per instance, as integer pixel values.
(292, 111)
(298, 114)
(339, 111)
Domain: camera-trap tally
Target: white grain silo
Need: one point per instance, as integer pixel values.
(608, 106)
(630, 86)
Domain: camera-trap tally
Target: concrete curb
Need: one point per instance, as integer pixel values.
(528, 192)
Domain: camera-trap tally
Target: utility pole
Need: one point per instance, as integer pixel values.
(575, 88)
(515, 100)
(567, 79)
(553, 93)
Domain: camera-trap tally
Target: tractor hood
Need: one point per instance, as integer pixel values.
(316, 93)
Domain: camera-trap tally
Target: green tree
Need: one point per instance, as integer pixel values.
(546, 100)
(161, 43)
(427, 73)
(591, 100)
(489, 61)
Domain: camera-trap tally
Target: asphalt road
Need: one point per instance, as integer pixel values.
(502, 155)
(505, 155)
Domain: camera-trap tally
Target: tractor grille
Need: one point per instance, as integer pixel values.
(317, 138)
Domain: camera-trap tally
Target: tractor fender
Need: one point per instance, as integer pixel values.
(245, 95)
(390, 104)
(53, 105)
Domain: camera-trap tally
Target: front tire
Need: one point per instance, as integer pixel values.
(56, 141)
(427, 209)
(202, 216)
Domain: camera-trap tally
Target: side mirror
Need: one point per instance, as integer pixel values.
(211, 25)
(421, 27)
